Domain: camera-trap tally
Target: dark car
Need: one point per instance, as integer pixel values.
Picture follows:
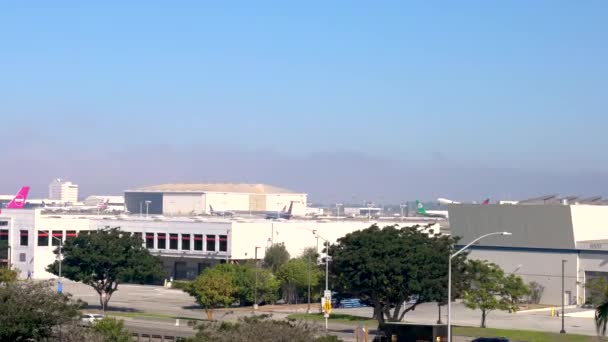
(491, 339)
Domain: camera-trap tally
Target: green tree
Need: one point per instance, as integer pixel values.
(104, 258)
(491, 290)
(8, 275)
(112, 330)
(294, 278)
(34, 310)
(536, 292)
(213, 288)
(276, 256)
(392, 266)
(598, 290)
(267, 284)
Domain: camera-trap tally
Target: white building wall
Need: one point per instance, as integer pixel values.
(183, 204)
(20, 219)
(589, 222)
(542, 267)
(296, 235)
(276, 202)
(226, 201)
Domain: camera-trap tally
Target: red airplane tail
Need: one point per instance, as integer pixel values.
(486, 202)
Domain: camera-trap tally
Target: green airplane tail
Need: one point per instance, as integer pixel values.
(420, 208)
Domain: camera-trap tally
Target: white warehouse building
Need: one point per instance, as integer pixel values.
(542, 237)
(199, 198)
(185, 245)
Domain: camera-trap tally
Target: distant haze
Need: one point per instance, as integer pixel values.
(327, 177)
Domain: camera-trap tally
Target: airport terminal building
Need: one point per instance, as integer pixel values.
(544, 235)
(197, 198)
(186, 245)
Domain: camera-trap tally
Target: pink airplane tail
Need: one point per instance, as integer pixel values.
(486, 202)
(18, 202)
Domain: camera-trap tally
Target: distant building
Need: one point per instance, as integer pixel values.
(199, 198)
(63, 191)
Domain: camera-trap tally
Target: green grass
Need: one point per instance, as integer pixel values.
(524, 335)
(337, 318)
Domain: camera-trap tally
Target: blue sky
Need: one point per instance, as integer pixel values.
(443, 84)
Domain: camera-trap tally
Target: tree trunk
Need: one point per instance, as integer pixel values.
(483, 318)
(439, 317)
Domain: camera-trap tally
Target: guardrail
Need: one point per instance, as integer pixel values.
(155, 338)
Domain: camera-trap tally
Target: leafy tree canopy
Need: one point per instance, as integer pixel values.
(104, 258)
(214, 288)
(276, 256)
(32, 310)
(391, 266)
(490, 290)
(294, 278)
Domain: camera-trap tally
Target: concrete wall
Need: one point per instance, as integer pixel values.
(296, 235)
(227, 201)
(20, 219)
(276, 202)
(183, 204)
(590, 222)
(542, 267)
(540, 226)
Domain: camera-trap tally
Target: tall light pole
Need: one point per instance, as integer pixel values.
(402, 206)
(147, 206)
(450, 277)
(563, 331)
(309, 261)
(327, 258)
(255, 289)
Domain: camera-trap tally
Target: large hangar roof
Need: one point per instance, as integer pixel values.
(215, 187)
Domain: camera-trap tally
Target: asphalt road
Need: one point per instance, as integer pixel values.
(175, 303)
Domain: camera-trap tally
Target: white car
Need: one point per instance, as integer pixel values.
(89, 318)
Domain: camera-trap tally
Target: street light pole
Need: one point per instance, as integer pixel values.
(147, 206)
(563, 331)
(450, 277)
(309, 261)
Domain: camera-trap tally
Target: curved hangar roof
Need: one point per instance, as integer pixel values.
(215, 187)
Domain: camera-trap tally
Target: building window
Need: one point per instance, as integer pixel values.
(161, 241)
(150, 240)
(23, 237)
(57, 238)
(70, 234)
(198, 242)
(223, 243)
(3, 234)
(186, 242)
(43, 238)
(22, 257)
(210, 243)
(173, 240)
(3, 223)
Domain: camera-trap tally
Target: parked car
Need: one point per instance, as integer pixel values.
(90, 318)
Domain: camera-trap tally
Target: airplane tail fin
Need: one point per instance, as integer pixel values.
(290, 207)
(211, 209)
(420, 208)
(18, 202)
(284, 209)
(486, 201)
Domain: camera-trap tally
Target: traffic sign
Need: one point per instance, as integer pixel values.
(327, 294)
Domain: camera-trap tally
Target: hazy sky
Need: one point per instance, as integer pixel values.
(378, 100)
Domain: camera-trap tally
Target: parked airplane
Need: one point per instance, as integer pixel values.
(421, 210)
(221, 212)
(18, 202)
(447, 201)
(286, 215)
(101, 206)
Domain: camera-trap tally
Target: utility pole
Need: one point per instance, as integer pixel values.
(309, 261)
(563, 331)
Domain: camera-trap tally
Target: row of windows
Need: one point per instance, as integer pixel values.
(194, 242)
